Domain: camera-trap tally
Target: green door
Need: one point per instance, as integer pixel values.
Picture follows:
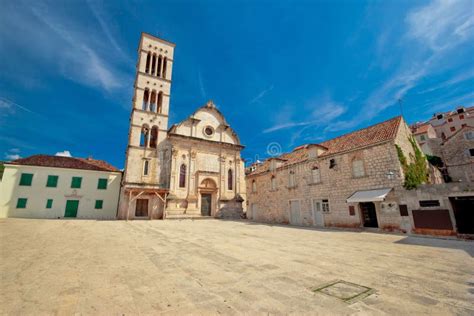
(71, 208)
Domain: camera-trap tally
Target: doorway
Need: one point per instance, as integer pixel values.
(318, 213)
(206, 203)
(141, 208)
(464, 213)
(369, 215)
(295, 212)
(71, 208)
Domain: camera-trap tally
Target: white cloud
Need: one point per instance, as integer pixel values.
(64, 153)
(12, 156)
(14, 150)
(201, 85)
(323, 114)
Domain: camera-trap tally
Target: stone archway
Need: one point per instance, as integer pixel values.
(207, 197)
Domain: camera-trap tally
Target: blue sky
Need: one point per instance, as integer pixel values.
(290, 72)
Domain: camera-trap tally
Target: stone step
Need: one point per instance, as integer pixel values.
(187, 216)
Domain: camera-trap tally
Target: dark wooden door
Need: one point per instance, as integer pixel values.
(206, 200)
(71, 208)
(368, 214)
(141, 208)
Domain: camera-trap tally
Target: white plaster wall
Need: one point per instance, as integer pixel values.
(37, 194)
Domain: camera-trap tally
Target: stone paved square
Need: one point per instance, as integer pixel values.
(224, 267)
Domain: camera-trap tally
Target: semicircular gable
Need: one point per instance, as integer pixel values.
(207, 123)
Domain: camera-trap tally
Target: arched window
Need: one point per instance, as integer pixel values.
(153, 101)
(154, 137)
(163, 73)
(153, 64)
(160, 62)
(145, 167)
(160, 102)
(358, 168)
(146, 96)
(182, 176)
(315, 175)
(273, 183)
(147, 67)
(230, 180)
(254, 186)
(144, 136)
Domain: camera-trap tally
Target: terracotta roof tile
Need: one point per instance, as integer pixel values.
(371, 135)
(64, 162)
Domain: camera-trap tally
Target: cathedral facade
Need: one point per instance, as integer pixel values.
(194, 168)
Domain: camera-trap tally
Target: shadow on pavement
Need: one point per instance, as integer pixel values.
(467, 246)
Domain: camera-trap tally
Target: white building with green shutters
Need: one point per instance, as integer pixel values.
(43, 186)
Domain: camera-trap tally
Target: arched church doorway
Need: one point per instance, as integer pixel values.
(207, 193)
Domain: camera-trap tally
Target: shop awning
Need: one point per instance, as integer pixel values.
(369, 196)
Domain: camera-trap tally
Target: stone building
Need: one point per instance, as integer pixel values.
(193, 169)
(426, 137)
(457, 153)
(347, 181)
(447, 123)
(207, 173)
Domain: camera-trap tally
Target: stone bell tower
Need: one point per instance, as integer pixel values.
(144, 186)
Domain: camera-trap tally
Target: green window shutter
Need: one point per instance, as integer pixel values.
(98, 204)
(49, 203)
(102, 184)
(26, 179)
(76, 182)
(21, 203)
(52, 181)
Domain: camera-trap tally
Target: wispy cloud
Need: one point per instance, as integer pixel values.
(433, 31)
(464, 76)
(64, 44)
(324, 113)
(261, 94)
(99, 15)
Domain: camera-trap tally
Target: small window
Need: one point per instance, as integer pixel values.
(145, 167)
(460, 110)
(99, 204)
(422, 137)
(26, 179)
(325, 206)
(471, 152)
(450, 119)
(52, 182)
(452, 129)
(21, 203)
(403, 210)
(463, 125)
(102, 184)
(358, 168)
(429, 203)
(461, 117)
(315, 175)
(332, 163)
(49, 203)
(76, 182)
(439, 116)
